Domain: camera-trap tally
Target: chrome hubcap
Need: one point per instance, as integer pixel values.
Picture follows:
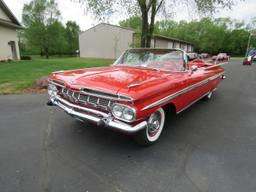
(154, 123)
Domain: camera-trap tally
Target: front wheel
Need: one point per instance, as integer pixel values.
(152, 132)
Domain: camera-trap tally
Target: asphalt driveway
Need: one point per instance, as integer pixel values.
(209, 147)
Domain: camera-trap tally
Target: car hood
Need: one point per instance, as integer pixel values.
(114, 79)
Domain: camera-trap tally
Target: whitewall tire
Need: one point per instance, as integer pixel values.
(152, 132)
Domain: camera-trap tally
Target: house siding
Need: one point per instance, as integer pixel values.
(3, 15)
(159, 43)
(105, 41)
(164, 43)
(7, 35)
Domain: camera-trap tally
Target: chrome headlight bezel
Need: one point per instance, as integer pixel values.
(123, 108)
(52, 91)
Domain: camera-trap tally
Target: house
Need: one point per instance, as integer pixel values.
(105, 41)
(9, 48)
(159, 41)
(109, 41)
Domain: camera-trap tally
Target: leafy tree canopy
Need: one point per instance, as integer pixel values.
(44, 33)
(207, 34)
(72, 35)
(148, 9)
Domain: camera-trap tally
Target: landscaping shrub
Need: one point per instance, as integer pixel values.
(25, 57)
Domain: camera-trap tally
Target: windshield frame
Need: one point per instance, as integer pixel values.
(184, 57)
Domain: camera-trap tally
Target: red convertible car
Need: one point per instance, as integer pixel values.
(132, 94)
(221, 57)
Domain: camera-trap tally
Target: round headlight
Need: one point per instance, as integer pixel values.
(52, 91)
(128, 114)
(117, 110)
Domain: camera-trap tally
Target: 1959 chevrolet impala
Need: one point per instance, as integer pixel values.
(131, 95)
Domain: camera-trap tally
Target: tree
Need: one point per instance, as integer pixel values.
(148, 9)
(236, 42)
(40, 17)
(72, 32)
(132, 22)
(209, 35)
(56, 40)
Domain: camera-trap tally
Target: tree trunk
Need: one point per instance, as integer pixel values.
(47, 53)
(144, 30)
(148, 28)
(152, 23)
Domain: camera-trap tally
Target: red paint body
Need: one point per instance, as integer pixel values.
(157, 84)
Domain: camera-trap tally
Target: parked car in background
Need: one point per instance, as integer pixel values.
(134, 93)
(192, 56)
(221, 57)
(204, 55)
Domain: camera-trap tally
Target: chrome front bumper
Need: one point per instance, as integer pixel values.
(83, 113)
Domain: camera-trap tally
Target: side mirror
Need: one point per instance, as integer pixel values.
(194, 68)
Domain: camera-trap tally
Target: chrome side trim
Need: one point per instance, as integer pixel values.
(192, 103)
(97, 116)
(185, 90)
(216, 76)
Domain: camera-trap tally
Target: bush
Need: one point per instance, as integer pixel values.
(41, 83)
(5, 60)
(25, 57)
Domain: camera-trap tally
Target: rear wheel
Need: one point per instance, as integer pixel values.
(152, 132)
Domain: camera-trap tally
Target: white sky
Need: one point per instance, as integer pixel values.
(244, 10)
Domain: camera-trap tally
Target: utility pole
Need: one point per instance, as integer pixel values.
(248, 44)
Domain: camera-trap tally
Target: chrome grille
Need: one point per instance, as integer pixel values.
(104, 102)
(92, 99)
(105, 95)
(76, 95)
(69, 93)
(85, 99)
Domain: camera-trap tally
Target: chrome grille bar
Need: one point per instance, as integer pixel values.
(82, 98)
(103, 95)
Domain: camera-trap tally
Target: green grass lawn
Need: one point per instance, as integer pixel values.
(15, 77)
(237, 58)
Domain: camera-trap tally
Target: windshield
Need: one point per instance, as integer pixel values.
(162, 59)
